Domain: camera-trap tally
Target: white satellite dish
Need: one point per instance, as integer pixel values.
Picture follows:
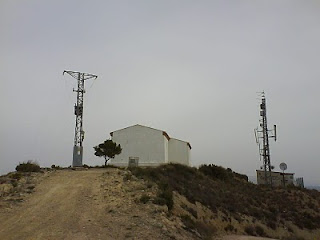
(283, 166)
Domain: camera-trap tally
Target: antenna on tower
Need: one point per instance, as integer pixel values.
(262, 139)
(78, 111)
(283, 167)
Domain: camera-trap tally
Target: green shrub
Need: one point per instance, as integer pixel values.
(292, 238)
(229, 228)
(216, 172)
(159, 201)
(190, 210)
(16, 176)
(250, 230)
(127, 176)
(164, 197)
(144, 198)
(205, 230)
(57, 167)
(222, 190)
(14, 182)
(188, 222)
(28, 167)
(241, 176)
(260, 231)
(272, 225)
(167, 194)
(106, 166)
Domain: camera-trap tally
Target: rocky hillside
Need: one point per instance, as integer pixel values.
(223, 201)
(168, 202)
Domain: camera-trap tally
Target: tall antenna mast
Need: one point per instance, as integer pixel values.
(262, 132)
(78, 111)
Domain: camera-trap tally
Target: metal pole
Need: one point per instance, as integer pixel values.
(263, 134)
(78, 111)
(266, 149)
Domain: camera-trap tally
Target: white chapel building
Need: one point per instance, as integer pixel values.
(145, 146)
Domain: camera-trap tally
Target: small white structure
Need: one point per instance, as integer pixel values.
(277, 178)
(145, 146)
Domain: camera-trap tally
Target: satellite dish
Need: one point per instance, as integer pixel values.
(283, 166)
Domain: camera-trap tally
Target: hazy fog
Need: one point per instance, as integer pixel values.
(191, 68)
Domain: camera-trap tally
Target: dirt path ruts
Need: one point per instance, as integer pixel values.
(235, 237)
(82, 204)
(89, 204)
(62, 207)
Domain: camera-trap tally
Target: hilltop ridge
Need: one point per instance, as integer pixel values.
(168, 202)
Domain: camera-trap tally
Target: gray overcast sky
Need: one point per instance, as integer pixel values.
(191, 68)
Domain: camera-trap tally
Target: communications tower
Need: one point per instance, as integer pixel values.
(78, 111)
(262, 139)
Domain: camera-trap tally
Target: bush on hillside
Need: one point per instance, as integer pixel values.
(260, 231)
(57, 167)
(235, 197)
(241, 176)
(193, 212)
(250, 230)
(292, 238)
(86, 166)
(188, 222)
(144, 198)
(216, 172)
(29, 166)
(16, 175)
(229, 228)
(205, 230)
(166, 194)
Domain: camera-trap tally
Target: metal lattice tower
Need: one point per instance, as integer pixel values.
(262, 139)
(78, 111)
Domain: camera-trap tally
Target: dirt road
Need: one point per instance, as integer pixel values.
(91, 204)
(79, 205)
(235, 237)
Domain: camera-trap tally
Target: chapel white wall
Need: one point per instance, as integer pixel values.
(149, 145)
(179, 152)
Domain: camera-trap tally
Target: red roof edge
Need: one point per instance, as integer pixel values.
(166, 135)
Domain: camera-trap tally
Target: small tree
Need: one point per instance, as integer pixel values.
(108, 149)
(29, 166)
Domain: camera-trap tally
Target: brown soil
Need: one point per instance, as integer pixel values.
(87, 204)
(91, 204)
(235, 237)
